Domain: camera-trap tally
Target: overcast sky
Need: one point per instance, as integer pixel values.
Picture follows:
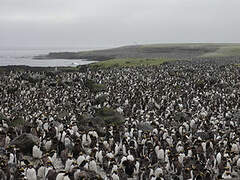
(117, 22)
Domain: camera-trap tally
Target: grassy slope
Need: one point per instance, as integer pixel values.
(221, 51)
(231, 50)
(192, 44)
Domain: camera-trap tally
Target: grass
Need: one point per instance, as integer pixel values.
(94, 87)
(226, 50)
(129, 62)
(17, 122)
(191, 45)
(223, 49)
(2, 117)
(110, 116)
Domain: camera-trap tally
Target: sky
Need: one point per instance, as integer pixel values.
(103, 23)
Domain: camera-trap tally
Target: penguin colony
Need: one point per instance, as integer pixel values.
(192, 108)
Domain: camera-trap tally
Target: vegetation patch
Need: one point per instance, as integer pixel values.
(2, 117)
(224, 51)
(18, 122)
(94, 87)
(100, 99)
(109, 116)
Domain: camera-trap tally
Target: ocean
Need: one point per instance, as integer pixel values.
(24, 56)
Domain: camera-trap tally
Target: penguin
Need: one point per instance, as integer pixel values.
(68, 163)
(115, 176)
(93, 165)
(158, 172)
(227, 175)
(129, 167)
(41, 171)
(48, 144)
(218, 158)
(60, 175)
(36, 152)
(31, 173)
(80, 158)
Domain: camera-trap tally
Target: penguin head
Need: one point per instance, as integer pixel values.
(70, 156)
(30, 166)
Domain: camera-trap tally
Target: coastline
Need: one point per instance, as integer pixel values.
(170, 51)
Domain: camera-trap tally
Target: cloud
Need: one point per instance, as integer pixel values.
(118, 21)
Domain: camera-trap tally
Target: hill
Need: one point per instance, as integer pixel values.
(157, 53)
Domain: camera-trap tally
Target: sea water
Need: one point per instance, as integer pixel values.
(24, 56)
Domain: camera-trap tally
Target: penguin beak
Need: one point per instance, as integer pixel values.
(21, 169)
(226, 168)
